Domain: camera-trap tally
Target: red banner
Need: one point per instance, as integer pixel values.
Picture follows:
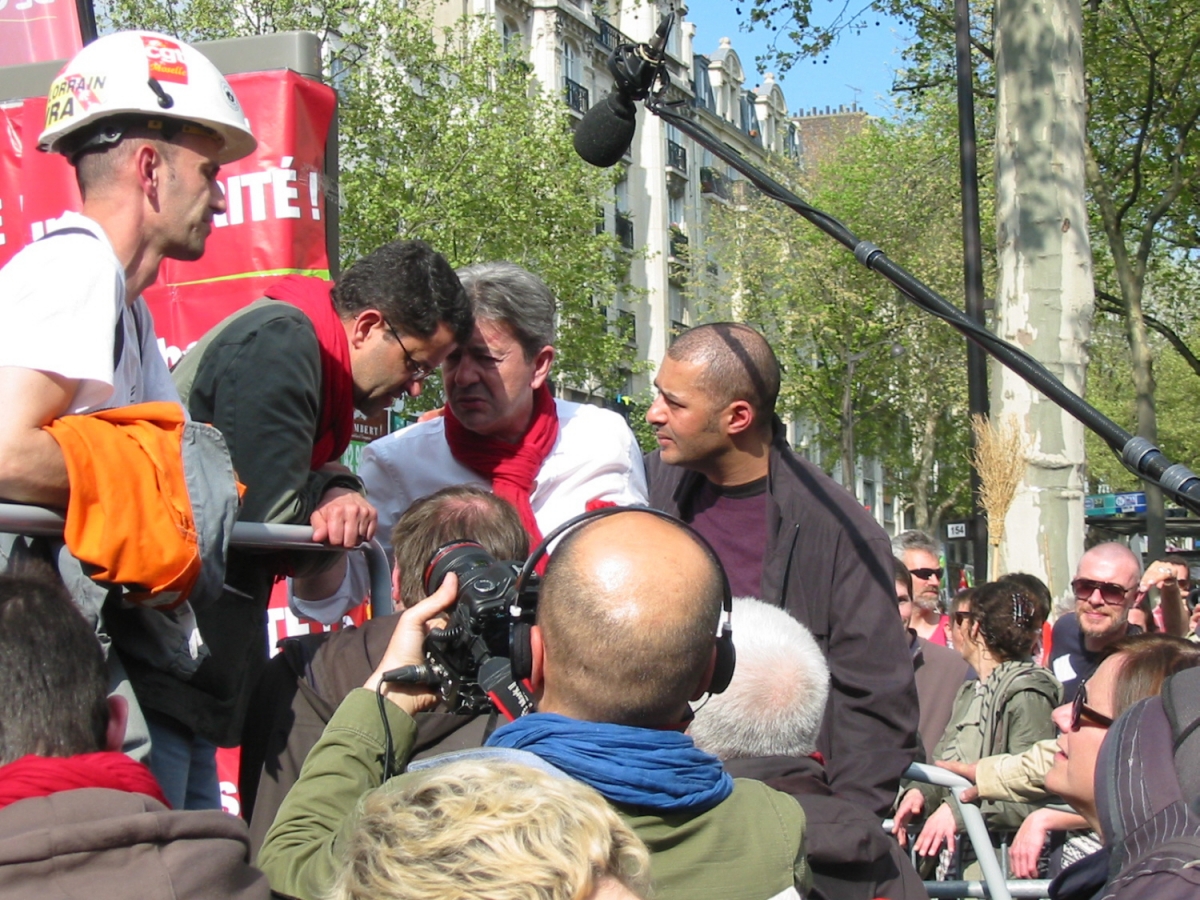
(274, 224)
(38, 31)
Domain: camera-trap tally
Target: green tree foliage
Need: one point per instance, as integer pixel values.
(446, 136)
(862, 364)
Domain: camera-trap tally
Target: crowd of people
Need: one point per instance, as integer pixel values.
(724, 704)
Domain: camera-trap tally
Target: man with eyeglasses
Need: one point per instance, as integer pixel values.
(502, 428)
(281, 379)
(1106, 587)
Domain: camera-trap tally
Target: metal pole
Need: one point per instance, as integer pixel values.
(17, 518)
(977, 386)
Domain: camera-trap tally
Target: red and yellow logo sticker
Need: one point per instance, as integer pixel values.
(166, 60)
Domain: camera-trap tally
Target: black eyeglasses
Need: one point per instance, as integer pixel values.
(417, 371)
(1082, 713)
(926, 574)
(962, 615)
(1112, 594)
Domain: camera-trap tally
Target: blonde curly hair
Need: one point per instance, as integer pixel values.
(488, 828)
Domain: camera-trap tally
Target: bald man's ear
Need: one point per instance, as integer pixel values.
(739, 416)
(118, 717)
(537, 651)
(706, 678)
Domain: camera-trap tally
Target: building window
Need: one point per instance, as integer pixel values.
(576, 93)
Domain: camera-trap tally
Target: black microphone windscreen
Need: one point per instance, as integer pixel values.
(606, 131)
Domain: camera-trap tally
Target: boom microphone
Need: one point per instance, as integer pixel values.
(604, 134)
(606, 130)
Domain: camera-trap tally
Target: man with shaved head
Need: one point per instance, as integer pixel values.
(621, 645)
(789, 535)
(1106, 588)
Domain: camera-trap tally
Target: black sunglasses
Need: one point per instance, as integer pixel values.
(1082, 713)
(1111, 594)
(926, 574)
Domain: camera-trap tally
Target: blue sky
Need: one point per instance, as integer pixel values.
(860, 67)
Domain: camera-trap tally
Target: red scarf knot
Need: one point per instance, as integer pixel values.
(512, 468)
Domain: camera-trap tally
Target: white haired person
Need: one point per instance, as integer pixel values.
(765, 726)
(491, 828)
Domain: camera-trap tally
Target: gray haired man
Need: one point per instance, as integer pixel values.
(765, 726)
(919, 553)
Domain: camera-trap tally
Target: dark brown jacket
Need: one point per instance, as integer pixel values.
(940, 672)
(100, 844)
(829, 564)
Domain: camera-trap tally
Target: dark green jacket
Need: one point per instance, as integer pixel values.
(750, 847)
(1008, 713)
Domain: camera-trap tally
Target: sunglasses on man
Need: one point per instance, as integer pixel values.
(1111, 594)
(926, 574)
(1081, 713)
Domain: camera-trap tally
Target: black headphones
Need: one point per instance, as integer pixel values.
(520, 649)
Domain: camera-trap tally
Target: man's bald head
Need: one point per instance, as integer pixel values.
(737, 364)
(628, 613)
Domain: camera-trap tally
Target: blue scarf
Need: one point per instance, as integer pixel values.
(659, 770)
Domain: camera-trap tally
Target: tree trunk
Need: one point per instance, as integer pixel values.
(1131, 276)
(925, 452)
(1045, 277)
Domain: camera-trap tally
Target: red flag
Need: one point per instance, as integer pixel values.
(38, 31)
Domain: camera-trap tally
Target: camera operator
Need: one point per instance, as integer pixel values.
(621, 645)
(311, 675)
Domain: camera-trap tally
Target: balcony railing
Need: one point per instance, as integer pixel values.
(713, 183)
(676, 156)
(624, 228)
(609, 37)
(577, 95)
(627, 327)
(678, 244)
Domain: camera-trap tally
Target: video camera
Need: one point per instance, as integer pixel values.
(470, 656)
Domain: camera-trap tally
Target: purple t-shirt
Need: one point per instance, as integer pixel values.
(734, 521)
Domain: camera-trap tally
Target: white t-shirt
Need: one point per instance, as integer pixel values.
(60, 299)
(595, 458)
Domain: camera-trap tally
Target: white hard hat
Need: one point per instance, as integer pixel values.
(140, 77)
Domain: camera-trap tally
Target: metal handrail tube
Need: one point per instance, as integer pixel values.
(1022, 890)
(993, 874)
(19, 518)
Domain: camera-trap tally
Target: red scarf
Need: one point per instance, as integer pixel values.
(336, 419)
(41, 776)
(512, 468)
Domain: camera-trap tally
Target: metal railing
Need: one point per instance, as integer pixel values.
(994, 884)
(676, 155)
(37, 521)
(577, 95)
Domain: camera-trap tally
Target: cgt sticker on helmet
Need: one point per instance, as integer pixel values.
(72, 95)
(167, 62)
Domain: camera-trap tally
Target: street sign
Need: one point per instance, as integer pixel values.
(1115, 504)
(957, 531)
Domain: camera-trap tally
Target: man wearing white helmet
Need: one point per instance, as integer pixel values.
(146, 121)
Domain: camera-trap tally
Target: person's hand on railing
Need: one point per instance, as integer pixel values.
(939, 829)
(343, 518)
(963, 770)
(910, 806)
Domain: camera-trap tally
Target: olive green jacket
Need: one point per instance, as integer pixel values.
(749, 847)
